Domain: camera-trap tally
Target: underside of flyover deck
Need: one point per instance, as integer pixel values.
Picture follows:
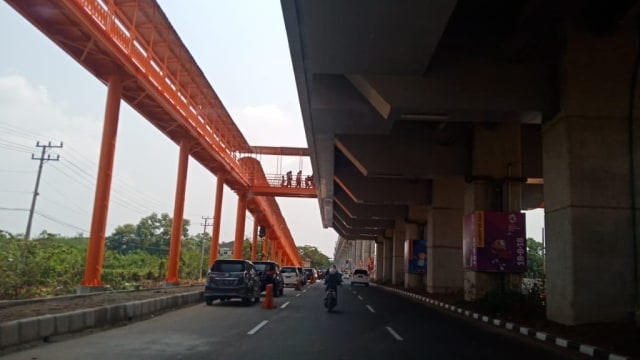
(419, 112)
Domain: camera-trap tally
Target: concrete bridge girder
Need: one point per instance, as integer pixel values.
(354, 234)
(471, 86)
(411, 150)
(337, 107)
(350, 222)
(363, 211)
(382, 191)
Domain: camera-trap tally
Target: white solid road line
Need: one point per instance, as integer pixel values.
(394, 334)
(257, 328)
(285, 305)
(370, 309)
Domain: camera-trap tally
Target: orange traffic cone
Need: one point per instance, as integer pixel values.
(268, 302)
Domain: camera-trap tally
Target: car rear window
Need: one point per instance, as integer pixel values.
(288, 270)
(227, 267)
(361, 272)
(264, 267)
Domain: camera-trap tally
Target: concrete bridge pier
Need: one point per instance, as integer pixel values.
(496, 163)
(444, 236)
(412, 281)
(379, 258)
(590, 150)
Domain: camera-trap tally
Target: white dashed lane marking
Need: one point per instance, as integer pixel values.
(284, 305)
(258, 327)
(359, 297)
(370, 309)
(394, 334)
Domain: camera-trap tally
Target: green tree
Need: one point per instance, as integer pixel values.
(535, 260)
(194, 253)
(196, 241)
(123, 239)
(154, 233)
(246, 248)
(317, 258)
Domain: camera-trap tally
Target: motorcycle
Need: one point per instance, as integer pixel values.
(331, 300)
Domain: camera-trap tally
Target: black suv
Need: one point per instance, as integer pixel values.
(269, 273)
(228, 279)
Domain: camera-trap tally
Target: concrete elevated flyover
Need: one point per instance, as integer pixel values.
(417, 113)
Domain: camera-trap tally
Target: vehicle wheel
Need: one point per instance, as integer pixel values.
(208, 301)
(366, 285)
(247, 301)
(257, 299)
(282, 291)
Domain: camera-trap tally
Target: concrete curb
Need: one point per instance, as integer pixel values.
(18, 332)
(589, 350)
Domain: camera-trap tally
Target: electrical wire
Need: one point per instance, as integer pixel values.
(59, 222)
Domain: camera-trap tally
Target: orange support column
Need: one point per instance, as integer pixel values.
(215, 236)
(265, 246)
(178, 214)
(254, 244)
(240, 218)
(95, 249)
(274, 245)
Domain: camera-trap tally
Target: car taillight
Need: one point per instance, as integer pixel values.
(271, 273)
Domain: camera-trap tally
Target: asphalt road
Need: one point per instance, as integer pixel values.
(369, 323)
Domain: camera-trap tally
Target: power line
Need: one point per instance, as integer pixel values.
(204, 225)
(42, 158)
(60, 222)
(128, 191)
(13, 209)
(16, 171)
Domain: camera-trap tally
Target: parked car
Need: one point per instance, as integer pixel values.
(291, 275)
(229, 279)
(269, 273)
(360, 276)
(311, 274)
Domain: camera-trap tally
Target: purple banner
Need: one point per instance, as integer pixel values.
(417, 256)
(495, 241)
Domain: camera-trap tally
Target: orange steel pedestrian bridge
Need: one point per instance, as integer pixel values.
(131, 47)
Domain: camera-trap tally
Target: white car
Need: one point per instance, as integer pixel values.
(291, 275)
(360, 276)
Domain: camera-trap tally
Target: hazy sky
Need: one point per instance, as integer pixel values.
(242, 48)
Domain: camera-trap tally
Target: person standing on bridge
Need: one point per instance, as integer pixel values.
(299, 179)
(289, 178)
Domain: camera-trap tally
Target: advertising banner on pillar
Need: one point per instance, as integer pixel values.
(495, 241)
(417, 255)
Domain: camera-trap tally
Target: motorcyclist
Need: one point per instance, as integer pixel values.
(332, 279)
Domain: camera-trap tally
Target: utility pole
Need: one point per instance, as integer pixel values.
(204, 225)
(42, 158)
